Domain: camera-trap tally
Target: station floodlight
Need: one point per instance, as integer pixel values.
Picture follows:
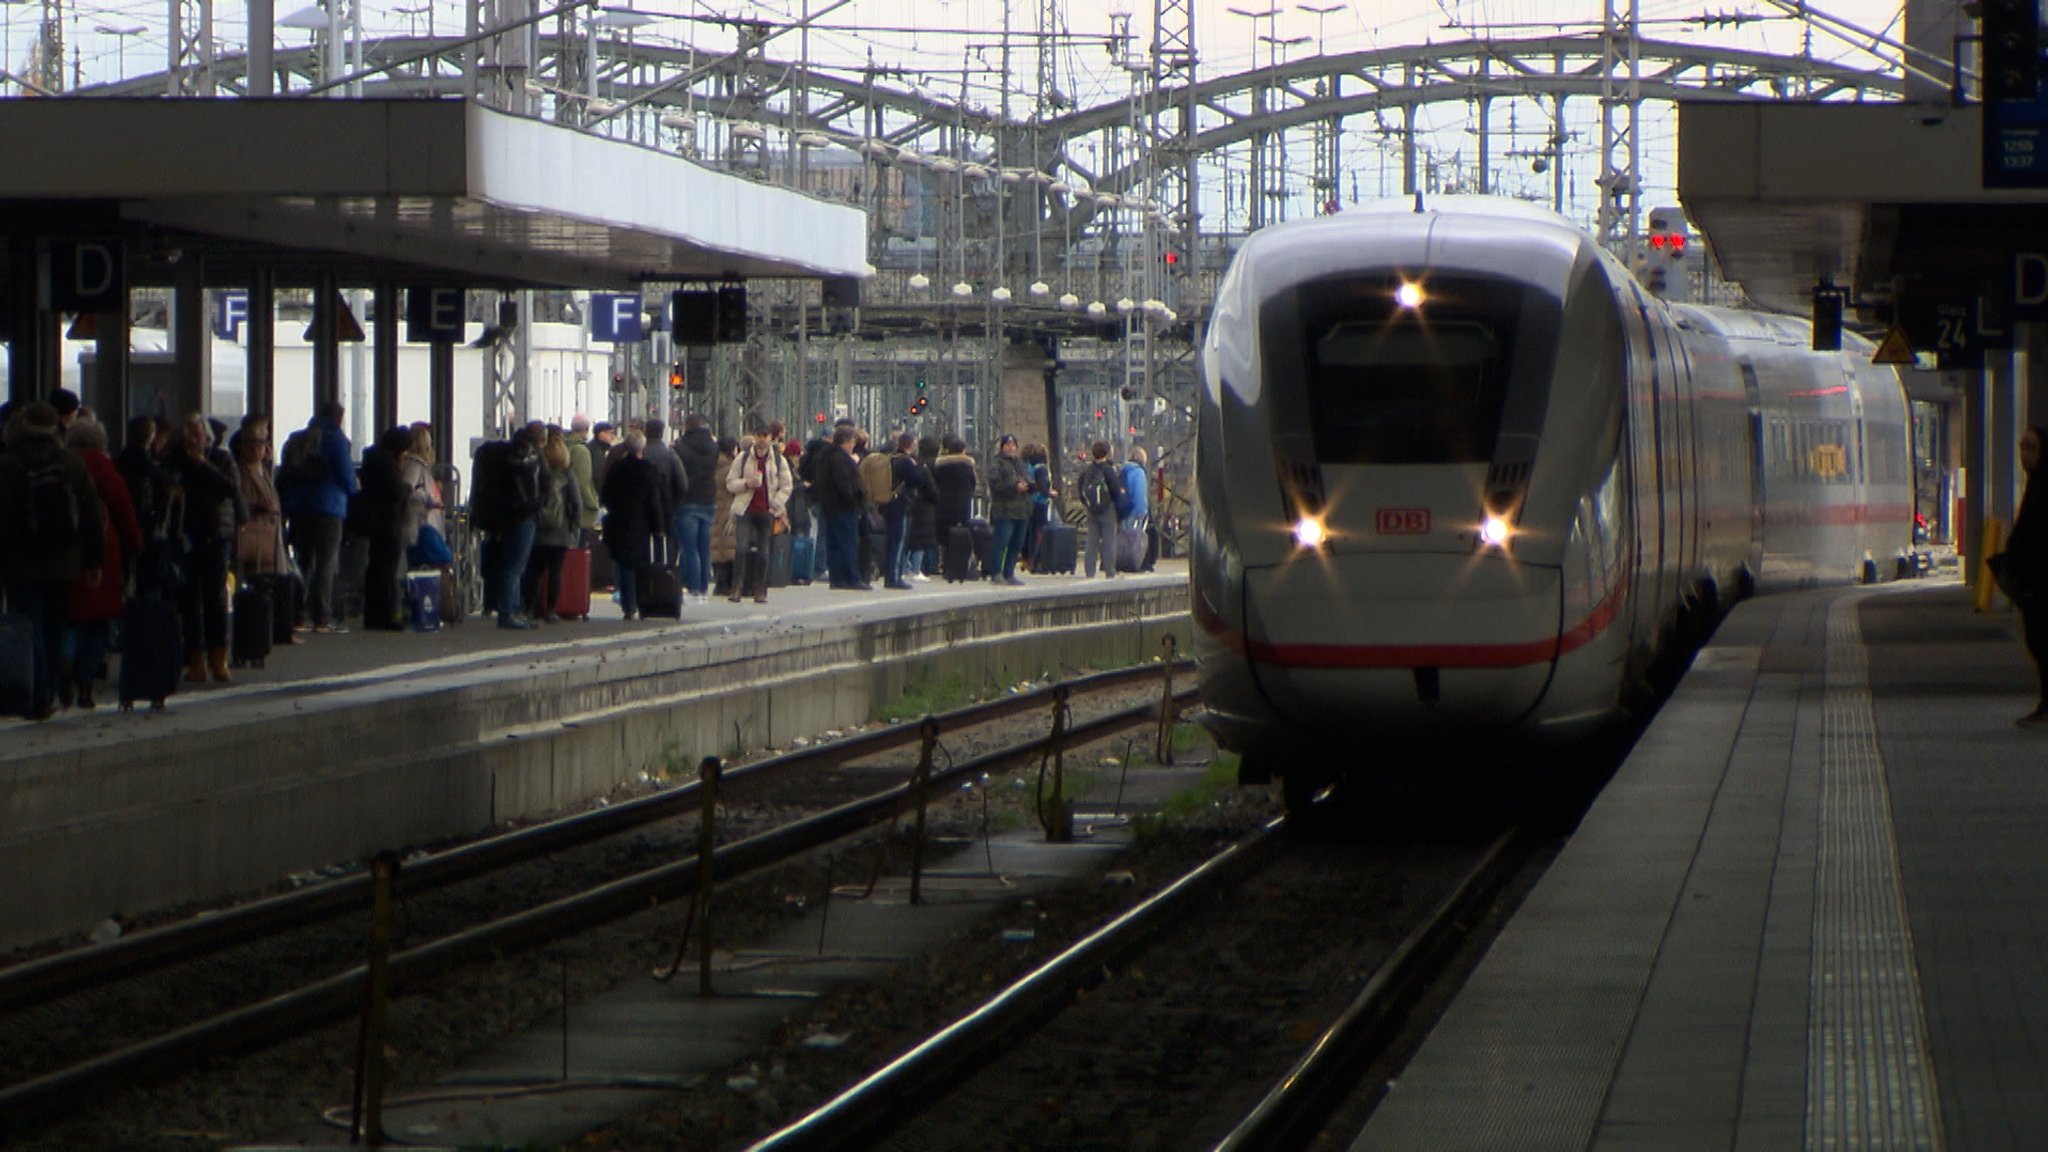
(1408, 295)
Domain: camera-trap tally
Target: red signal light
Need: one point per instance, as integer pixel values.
(1658, 239)
(1172, 258)
(818, 418)
(1677, 246)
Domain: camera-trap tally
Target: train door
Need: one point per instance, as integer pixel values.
(1753, 395)
(1646, 480)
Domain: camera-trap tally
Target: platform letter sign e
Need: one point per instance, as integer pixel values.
(86, 276)
(435, 315)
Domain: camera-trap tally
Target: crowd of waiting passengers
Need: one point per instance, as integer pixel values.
(192, 518)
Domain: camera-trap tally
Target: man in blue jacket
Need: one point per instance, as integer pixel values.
(315, 478)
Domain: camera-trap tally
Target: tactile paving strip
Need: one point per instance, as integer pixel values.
(1868, 1081)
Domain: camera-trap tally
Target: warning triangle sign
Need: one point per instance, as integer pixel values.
(1895, 348)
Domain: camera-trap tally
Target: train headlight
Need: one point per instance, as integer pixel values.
(1408, 295)
(1494, 532)
(1310, 533)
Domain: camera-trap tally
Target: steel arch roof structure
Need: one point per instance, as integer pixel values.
(853, 107)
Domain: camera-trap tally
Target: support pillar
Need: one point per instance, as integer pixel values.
(2002, 436)
(261, 327)
(326, 348)
(384, 367)
(1970, 533)
(441, 400)
(30, 336)
(2033, 373)
(191, 343)
(109, 392)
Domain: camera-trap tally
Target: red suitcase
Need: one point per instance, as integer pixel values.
(573, 597)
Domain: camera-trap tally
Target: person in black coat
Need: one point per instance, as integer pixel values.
(839, 496)
(380, 514)
(210, 496)
(2027, 550)
(632, 498)
(957, 480)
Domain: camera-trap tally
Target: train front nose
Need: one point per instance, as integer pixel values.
(1423, 645)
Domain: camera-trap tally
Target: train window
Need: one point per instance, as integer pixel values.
(1400, 386)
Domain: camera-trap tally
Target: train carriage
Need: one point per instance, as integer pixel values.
(1461, 483)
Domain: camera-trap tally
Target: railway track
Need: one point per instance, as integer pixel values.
(37, 1094)
(1097, 1046)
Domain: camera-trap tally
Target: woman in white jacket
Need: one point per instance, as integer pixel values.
(760, 482)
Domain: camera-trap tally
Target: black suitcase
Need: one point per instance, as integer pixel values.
(661, 591)
(984, 546)
(960, 562)
(152, 652)
(249, 637)
(284, 605)
(1059, 550)
(603, 573)
(781, 557)
(17, 665)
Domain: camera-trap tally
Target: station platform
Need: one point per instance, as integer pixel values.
(351, 743)
(1806, 913)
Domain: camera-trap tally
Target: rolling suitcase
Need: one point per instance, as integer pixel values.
(572, 599)
(959, 562)
(423, 598)
(152, 652)
(255, 623)
(1059, 550)
(284, 605)
(984, 545)
(604, 574)
(803, 559)
(781, 560)
(661, 591)
(17, 665)
(1130, 548)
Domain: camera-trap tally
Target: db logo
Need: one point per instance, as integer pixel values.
(1402, 521)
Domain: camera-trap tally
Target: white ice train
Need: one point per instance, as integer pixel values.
(1460, 484)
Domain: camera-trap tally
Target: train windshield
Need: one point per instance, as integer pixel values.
(1391, 383)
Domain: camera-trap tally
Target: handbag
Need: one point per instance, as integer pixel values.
(430, 549)
(257, 546)
(2011, 580)
(779, 527)
(875, 523)
(162, 570)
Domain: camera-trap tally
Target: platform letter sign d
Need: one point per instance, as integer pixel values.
(2029, 285)
(86, 276)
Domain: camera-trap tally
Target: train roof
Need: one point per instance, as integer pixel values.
(1750, 324)
(1478, 234)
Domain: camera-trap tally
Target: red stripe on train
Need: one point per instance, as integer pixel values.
(1413, 655)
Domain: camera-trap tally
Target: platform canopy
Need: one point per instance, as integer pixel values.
(420, 191)
(1882, 200)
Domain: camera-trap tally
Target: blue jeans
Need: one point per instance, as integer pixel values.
(896, 516)
(842, 548)
(626, 578)
(1006, 547)
(47, 605)
(693, 538)
(515, 544)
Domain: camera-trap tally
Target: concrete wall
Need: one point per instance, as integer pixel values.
(283, 786)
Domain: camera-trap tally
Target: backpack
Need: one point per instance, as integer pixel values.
(877, 472)
(490, 506)
(303, 461)
(1126, 499)
(1100, 487)
(52, 507)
